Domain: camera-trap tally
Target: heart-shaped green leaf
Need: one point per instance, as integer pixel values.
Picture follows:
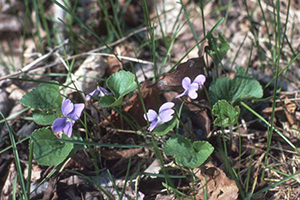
(216, 50)
(48, 151)
(186, 153)
(110, 101)
(166, 127)
(242, 86)
(226, 114)
(121, 83)
(45, 117)
(46, 97)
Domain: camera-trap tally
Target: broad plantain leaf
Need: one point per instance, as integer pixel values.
(186, 153)
(48, 151)
(46, 97)
(226, 114)
(242, 86)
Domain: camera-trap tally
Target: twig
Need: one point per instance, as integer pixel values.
(124, 57)
(30, 66)
(123, 131)
(109, 45)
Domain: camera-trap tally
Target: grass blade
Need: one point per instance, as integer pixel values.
(17, 159)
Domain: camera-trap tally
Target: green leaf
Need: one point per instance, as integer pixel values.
(121, 83)
(44, 117)
(216, 50)
(226, 114)
(186, 153)
(110, 101)
(48, 151)
(242, 86)
(166, 127)
(46, 97)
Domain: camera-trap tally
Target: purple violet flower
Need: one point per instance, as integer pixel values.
(190, 89)
(164, 115)
(71, 113)
(98, 92)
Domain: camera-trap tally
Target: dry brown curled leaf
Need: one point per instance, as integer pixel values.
(118, 154)
(172, 81)
(151, 101)
(93, 67)
(7, 188)
(134, 108)
(200, 117)
(215, 182)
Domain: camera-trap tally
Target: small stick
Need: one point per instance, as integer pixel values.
(109, 45)
(30, 66)
(123, 57)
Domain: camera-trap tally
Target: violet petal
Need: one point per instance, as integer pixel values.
(200, 79)
(166, 115)
(98, 92)
(151, 114)
(182, 94)
(67, 107)
(59, 124)
(166, 106)
(103, 92)
(76, 113)
(192, 93)
(153, 125)
(68, 129)
(186, 83)
(93, 93)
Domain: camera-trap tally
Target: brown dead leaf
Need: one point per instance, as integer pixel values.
(93, 67)
(134, 108)
(290, 116)
(126, 49)
(111, 119)
(10, 23)
(3, 102)
(200, 118)
(165, 197)
(290, 109)
(153, 168)
(8, 185)
(216, 183)
(30, 53)
(114, 65)
(15, 92)
(35, 173)
(292, 124)
(286, 114)
(130, 16)
(50, 192)
(151, 100)
(73, 180)
(172, 81)
(269, 110)
(118, 154)
(77, 159)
